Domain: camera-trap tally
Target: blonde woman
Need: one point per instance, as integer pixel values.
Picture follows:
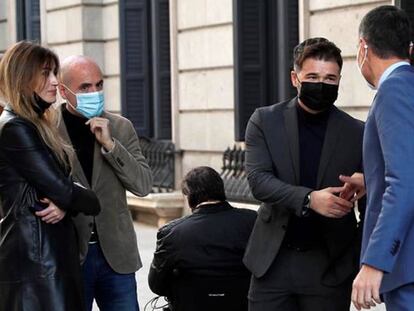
(39, 260)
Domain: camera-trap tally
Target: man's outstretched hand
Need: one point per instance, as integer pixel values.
(354, 187)
(328, 204)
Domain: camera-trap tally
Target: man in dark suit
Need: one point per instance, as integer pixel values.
(387, 254)
(198, 261)
(303, 251)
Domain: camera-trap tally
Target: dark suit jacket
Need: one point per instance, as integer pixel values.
(272, 165)
(199, 259)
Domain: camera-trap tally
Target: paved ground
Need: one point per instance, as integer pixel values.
(146, 243)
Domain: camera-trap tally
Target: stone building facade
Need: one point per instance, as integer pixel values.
(200, 95)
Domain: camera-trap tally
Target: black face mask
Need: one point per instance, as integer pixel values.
(318, 96)
(40, 105)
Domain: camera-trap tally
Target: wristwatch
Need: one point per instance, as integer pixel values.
(306, 205)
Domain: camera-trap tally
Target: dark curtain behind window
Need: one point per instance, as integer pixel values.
(145, 66)
(265, 33)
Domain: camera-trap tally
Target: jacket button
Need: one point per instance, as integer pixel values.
(90, 225)
(284, 227)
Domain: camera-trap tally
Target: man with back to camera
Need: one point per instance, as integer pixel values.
(387, 254)
(109, 161)
(304, 248)
(198, 260)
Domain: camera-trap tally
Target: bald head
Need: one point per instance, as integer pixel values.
(72, 65)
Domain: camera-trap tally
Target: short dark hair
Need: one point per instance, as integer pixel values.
(316, 48)
(387, 31)
(202, 184)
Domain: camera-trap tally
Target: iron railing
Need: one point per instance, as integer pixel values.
(160, 156)
(234, 176)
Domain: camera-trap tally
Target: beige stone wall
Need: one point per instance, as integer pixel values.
(74, 27)
(203, 77)
(203, 73)
(201, 57)
(3, 25)
(87, 27)
(7, 24)
(338, 20)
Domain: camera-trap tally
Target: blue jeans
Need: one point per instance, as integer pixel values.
(112, 291)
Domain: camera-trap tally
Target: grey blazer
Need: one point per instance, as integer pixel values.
(124, 168)
(272, 165)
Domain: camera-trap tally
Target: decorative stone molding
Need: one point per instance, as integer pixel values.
(251, 206)
(156, 208)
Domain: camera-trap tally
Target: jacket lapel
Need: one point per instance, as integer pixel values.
(77, 171)
(291, 124)
(333, 131)
(98, 158)
(97, 164)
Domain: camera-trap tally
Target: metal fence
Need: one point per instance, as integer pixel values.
(161, 157)
(234, 176)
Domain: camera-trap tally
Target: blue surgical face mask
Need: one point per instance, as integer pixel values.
(89, 105)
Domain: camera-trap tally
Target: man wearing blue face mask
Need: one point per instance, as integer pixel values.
(303, 250)
(109, 161)
(89, 105)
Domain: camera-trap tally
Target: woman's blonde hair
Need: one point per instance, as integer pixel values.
(21, 70)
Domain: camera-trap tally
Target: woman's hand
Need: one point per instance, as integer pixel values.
(51, 214)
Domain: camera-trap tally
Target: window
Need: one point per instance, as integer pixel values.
(408, 6)
(266, 32)
(145, 66)
(28, 20)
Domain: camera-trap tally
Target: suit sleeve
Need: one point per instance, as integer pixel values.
(161, 270)
(129, 163)
(24, 150)
(394, 116)
(265, 186)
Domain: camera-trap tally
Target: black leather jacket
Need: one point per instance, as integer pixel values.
(39, 262)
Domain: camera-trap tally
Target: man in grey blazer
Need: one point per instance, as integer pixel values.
(109, 161)
(304, 248)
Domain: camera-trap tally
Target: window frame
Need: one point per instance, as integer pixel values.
(152, 116)
(268, 75)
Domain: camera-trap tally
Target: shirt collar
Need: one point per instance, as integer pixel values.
(389, 70)
(212, 208)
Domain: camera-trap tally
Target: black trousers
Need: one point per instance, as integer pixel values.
(294, 283)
